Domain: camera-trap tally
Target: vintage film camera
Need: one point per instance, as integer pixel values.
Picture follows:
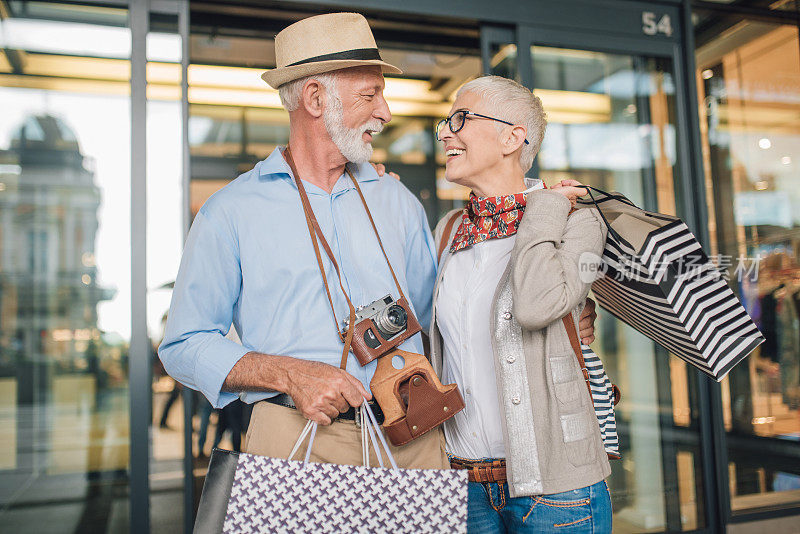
(412, 398)
(381, 326)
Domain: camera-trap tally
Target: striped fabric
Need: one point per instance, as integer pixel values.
(670, 291)
(603, 400)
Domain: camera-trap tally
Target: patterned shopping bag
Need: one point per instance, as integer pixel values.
(268, 495)
(605, 395)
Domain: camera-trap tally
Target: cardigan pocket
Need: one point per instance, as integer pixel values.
(578, 442)
(564, 371)
(569, 392)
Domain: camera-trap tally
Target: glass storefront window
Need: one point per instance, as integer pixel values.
(748, 79)
(610, 122)
(65, 319)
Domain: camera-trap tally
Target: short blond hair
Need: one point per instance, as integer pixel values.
(515, 103)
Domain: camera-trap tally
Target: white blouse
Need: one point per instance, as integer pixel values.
(464, 303)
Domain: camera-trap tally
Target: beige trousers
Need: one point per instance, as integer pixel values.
(274, 430)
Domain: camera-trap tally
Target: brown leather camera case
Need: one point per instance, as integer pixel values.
(364, 353)
(413, 399)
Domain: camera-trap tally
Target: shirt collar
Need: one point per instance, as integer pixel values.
(275, 166)
(531, 183)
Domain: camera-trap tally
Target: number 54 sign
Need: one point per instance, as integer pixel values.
(652, 25)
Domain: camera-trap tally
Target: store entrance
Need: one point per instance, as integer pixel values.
(613, 123)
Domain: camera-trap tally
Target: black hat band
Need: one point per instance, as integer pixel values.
(364, 54)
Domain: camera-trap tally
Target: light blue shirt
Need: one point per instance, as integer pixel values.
(248, 260)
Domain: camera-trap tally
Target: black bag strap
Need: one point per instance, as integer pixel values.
(611, 231)
(623, 199)
(611, 196)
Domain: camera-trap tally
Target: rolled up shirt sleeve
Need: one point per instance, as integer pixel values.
(194, 350)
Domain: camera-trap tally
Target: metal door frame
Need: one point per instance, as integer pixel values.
(140, 364)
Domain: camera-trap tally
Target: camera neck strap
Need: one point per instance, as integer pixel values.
(317, 237)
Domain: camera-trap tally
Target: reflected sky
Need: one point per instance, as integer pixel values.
(102, 125)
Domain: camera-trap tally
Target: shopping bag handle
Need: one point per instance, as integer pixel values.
(310, 428)
(615, 196)
(375, 427)
(625, 200)
(369, 429)
(611, 231)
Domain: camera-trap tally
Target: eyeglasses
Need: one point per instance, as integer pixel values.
(457, 120)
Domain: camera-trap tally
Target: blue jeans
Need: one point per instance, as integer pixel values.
(490, 509)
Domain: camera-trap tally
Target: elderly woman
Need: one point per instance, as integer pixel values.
(528, 435)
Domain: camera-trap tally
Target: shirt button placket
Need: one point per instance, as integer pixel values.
(362, 372)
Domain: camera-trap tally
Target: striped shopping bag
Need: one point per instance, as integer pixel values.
(656, 278)
(604, 397)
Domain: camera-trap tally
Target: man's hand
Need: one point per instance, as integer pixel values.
(586, 322)
(380, 168)
(321, 391)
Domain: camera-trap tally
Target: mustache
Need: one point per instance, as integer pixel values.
(375, 126)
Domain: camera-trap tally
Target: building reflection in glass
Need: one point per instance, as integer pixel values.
(64, 286)
(53, 353)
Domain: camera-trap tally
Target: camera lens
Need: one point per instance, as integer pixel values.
(397, 316)
(391, 320)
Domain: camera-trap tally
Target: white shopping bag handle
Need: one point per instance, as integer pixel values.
(369, 428)
(367, 437)
(311, 427)
(374, 426)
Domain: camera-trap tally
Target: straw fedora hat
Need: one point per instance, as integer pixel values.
(324, 43)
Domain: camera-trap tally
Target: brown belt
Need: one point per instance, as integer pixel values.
(494, 471)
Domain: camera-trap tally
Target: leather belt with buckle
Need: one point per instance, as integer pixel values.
(350, 415)
(492, 471)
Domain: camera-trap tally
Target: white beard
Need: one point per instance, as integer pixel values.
(349, 141)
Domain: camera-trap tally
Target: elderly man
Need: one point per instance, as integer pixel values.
(249, 259)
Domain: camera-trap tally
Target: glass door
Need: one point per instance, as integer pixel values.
(748, 81)
(613, 123)
(65, 277)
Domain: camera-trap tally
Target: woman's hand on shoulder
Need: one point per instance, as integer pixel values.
(572, 189)
(380, 168)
